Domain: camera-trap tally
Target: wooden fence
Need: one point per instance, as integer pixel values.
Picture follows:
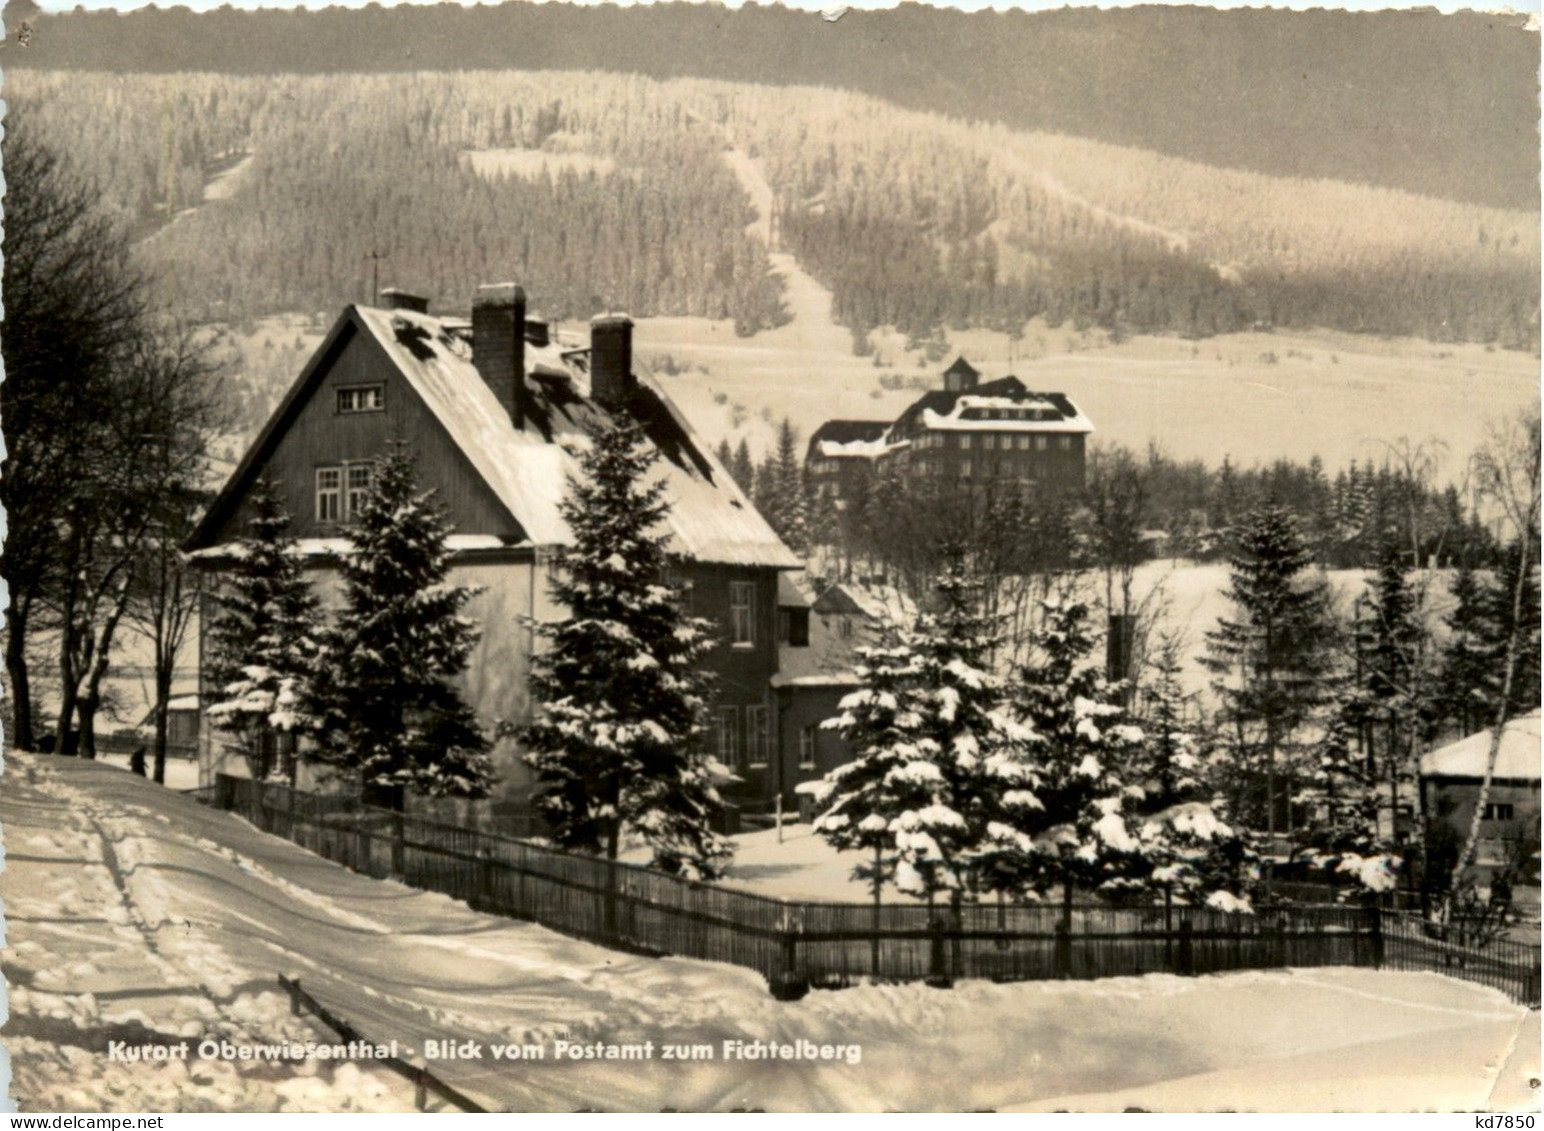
(798, 944)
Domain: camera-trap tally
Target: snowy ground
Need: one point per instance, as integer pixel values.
(799, 866)
(135, 912)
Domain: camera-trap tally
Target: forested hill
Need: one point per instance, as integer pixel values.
(264, 194)
(1431, 104)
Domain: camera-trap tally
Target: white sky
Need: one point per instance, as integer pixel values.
(1532, 6)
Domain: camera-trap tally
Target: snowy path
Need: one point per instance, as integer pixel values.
(183, 924)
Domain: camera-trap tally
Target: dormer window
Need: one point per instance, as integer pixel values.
(361, 398)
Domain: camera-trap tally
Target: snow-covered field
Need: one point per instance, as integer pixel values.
(135, 913)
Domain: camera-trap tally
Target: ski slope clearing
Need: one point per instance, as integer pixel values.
(134, 910)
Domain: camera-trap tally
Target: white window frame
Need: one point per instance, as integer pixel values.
(742, 614)
(352, 398)
(331, 492)
(351, 505)
(728, 735)
(758, 734)
(964, 441)
(807, 748)
(1064, 443)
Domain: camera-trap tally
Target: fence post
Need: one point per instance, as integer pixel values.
(398, 839)
(1531, 986)
(1063, 949)
(938, 955)
(1377, 938)
(482, 882)
(785, 981)
(609, 907)
(1186, 966)
(1168, 925)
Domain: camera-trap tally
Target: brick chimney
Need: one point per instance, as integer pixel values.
(398, 299)
(611, 360)
(498, 344)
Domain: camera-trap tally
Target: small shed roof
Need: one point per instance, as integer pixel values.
(1466, 758)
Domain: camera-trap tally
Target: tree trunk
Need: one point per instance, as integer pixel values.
(1503, 712)
(86, 707)
(64, 730)
(20, 680)
(163, 694)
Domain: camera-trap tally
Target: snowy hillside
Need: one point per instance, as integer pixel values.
(134, 911)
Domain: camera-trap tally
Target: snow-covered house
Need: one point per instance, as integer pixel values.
(968, 431)
(489, 406)
(1450, 788)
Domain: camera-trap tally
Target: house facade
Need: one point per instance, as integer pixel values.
(1450, 780)
(969, 432)
(490, 407)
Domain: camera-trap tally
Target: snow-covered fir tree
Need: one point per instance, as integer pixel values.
(1081, 834)
(1269, 658)
(866, 801)
(1340, 796)
(985, 778)
(390, 717)
(1188, 847)
(1467, 661)
(261, 642)
(620, 691)
(1392, 706)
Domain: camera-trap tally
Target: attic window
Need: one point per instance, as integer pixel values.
(362, 398)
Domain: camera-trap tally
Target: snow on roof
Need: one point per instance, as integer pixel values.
(850, 439)
(822, 679)
(1466, 758)
(336, 547)
(1033, 412)
(854, 599)
(794, 590)
(710, 518)
(944, 409)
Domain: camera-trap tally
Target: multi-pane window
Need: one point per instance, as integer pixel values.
(1023, 443)
(342, 490)
(729, 736)
(964, 469)
(359, 476)
(742, 613)
(1064, 443)
(807, 748)
(329, 494)
(362, 398)
(1498, 811)
(989, 442)
(1042, 442)
(965, 442)
(758, 735)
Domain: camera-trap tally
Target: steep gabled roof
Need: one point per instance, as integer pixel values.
(962, 368)
(527, 468)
